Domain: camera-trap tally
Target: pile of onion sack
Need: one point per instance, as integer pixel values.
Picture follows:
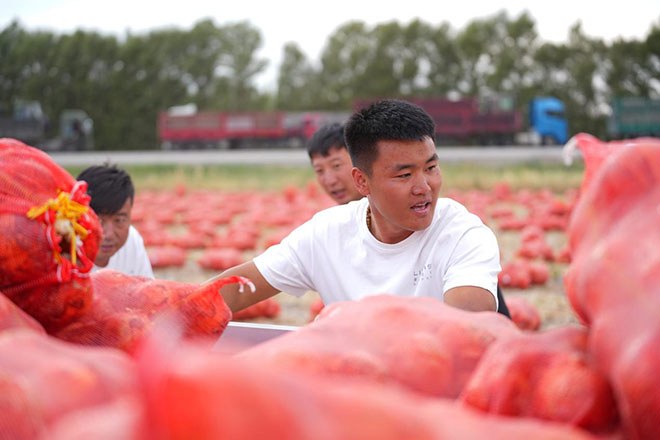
(50, 236)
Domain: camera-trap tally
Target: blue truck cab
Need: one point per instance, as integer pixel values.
(547, 118)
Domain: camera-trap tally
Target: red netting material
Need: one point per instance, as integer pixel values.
(613, 281)
(12, 317)
(435, 358)
(125, 308)
(44, 381)
(50, 236)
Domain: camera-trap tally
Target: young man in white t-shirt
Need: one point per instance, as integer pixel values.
(333, 169)
(400, 238)
(112, 193)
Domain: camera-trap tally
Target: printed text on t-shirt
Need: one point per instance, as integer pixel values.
(422, 274)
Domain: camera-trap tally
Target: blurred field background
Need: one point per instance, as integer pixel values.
(554, 177)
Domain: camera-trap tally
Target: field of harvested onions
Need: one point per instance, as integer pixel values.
(196, 220)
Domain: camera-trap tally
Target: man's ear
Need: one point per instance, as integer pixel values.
(361, 181)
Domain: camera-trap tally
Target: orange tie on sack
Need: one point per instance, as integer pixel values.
(66, 213)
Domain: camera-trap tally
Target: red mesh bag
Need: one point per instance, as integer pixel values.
(594, 153)
(126, 307)
(50, 236)
(44, 380)
(167, 256)
(193, 393)
(220, 258)
(419, 343)
(614, 230)
(523, 313)
(547, 375)
(267, 308)
(11, 316)
(613, 281)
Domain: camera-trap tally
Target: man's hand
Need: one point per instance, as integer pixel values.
(237, 300)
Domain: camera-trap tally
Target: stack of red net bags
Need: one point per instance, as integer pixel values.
(50, 239)
(385, 367)
(613, 282)
(65, 331)
(50, 236)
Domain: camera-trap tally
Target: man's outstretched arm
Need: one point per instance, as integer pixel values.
(237, 300)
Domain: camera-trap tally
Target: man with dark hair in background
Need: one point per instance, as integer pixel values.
(112, 194)
(332, 164)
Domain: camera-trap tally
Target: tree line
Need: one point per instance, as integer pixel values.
(124, 82)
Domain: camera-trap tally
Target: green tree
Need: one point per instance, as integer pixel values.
(586, 68)
(123, 83)
(298, 81)
(236, 67)
(633, 67)
(25, 68)
(440, 56)
(345, 58)
(511, 52)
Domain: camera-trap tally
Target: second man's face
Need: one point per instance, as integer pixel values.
(334, 175)
(115, 232)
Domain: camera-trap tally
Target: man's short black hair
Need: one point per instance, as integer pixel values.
(326, 138)
(109, 187)
(385, 120)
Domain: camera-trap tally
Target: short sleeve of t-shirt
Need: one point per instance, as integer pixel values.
(281, 264)
(474, 261)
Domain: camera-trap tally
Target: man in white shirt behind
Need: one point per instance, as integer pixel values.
(399, 238)
(112, 193)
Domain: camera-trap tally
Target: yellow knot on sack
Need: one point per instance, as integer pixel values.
(63, 214)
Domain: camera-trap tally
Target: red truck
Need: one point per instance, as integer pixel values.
(466, 121)
(493, 121)
(233, 130)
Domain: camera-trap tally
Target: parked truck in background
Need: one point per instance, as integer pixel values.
(183, 127)
(493, 120)
(467, 121)
(25, 120)
(634, 117)
(547, 121)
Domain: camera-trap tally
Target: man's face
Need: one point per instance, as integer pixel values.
(115, 232)
(334, 175)
(403, 188)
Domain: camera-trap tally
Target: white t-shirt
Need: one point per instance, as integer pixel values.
(335, 255)
(131, 258)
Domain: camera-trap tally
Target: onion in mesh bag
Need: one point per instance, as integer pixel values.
(50, 236)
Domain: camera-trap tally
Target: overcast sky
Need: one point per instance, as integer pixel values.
(310, 23)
